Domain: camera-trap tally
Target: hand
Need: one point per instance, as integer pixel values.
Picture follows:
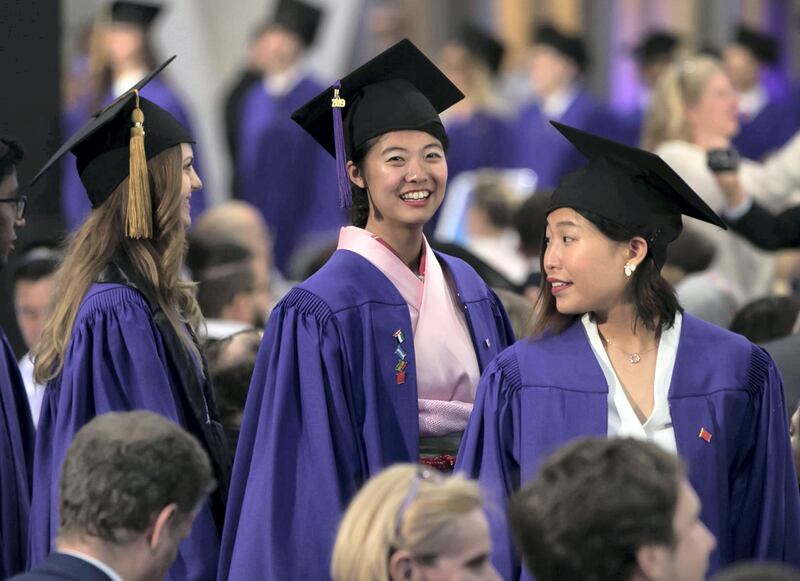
(731, 186)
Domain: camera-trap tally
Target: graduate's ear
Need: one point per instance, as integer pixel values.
(636, 250)
(355, 175)
(164, 520)
(401, 566)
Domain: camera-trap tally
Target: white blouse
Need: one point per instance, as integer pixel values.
(622, 419)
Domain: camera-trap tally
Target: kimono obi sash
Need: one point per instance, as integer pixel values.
(447, 367)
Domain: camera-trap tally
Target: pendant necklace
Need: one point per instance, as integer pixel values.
(633, 358)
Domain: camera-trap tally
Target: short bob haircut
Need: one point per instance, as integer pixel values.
(654, 298)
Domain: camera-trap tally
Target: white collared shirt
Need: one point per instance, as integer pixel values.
(113, 575)
(752, 101)
(33, 390)
(126, 81)
(622, 419)
(555, 105)
(280, 84)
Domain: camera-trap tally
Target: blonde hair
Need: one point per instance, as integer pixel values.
(681, 84)
(369, 534)
(157, 263)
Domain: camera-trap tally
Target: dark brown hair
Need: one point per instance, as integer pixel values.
(654, 298)
(122, 469)
(596, 537)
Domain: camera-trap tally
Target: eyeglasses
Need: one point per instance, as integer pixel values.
(425, 474)
(21, 202)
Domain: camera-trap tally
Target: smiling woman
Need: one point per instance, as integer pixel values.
(613, 355)
(373, 360)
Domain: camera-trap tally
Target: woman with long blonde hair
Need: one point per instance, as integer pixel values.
(693, 111)
(411, 522)
(120, 331)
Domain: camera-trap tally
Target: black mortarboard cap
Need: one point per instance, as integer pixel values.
(570, 46)
(400, 89)
(482, 45)
(102, 146)
(763, 46)
(134, 12)
(655, 45)
(299, 17)
(632, 188)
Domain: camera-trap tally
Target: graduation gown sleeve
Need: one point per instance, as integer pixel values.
(765, 505)
(489, 454)
(115, 361)
(16, 454)
(298, 458)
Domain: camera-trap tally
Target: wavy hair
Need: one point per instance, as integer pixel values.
(681, 84)
(156, 262)
(369, 532)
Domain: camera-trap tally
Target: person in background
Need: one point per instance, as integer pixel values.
(241, 223)
(122, 54)
(373, 360)
(120, 334)
(231, 362)
(693, 119)
(130, 487)
(530, 221)
(33, 290)
(430, 525)
(557, 63)
(16, 428)
(478, 124)
(767, 319)
(613, 354)
(766, 121)
(654, 52)
(611, 510)
(229, 296)
(280, 169)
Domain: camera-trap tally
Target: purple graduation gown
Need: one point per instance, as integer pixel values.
(284, 173)
(324, 412)
(538, 395)
(768, 131)
(75, 204)
(478, 142)
(16, 456)
(116, 360)
(539, 146)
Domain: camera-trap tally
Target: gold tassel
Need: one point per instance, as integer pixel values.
(140, 213)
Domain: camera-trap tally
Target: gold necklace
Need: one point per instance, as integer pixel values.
(633, 358)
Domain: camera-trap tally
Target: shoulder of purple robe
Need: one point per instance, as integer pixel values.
(115, 361)
(16, 455)
(520, 417)
(744, 474)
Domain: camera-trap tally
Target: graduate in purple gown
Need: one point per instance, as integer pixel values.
(120, 335)
(279, 167)
(557, 62)
(612, 354)
(16, 426)
(129, 57)
(478, 125)
(766, 120)
(373, 360)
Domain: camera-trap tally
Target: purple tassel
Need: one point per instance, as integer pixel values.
(342, 179)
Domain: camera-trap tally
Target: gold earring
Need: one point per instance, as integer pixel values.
(629, 269)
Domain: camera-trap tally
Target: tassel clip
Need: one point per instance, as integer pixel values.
(139, 222)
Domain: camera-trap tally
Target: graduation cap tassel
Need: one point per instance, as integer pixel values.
(342, 180)
(140, 213)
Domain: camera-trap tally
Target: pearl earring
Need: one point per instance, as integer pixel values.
(629, 269)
